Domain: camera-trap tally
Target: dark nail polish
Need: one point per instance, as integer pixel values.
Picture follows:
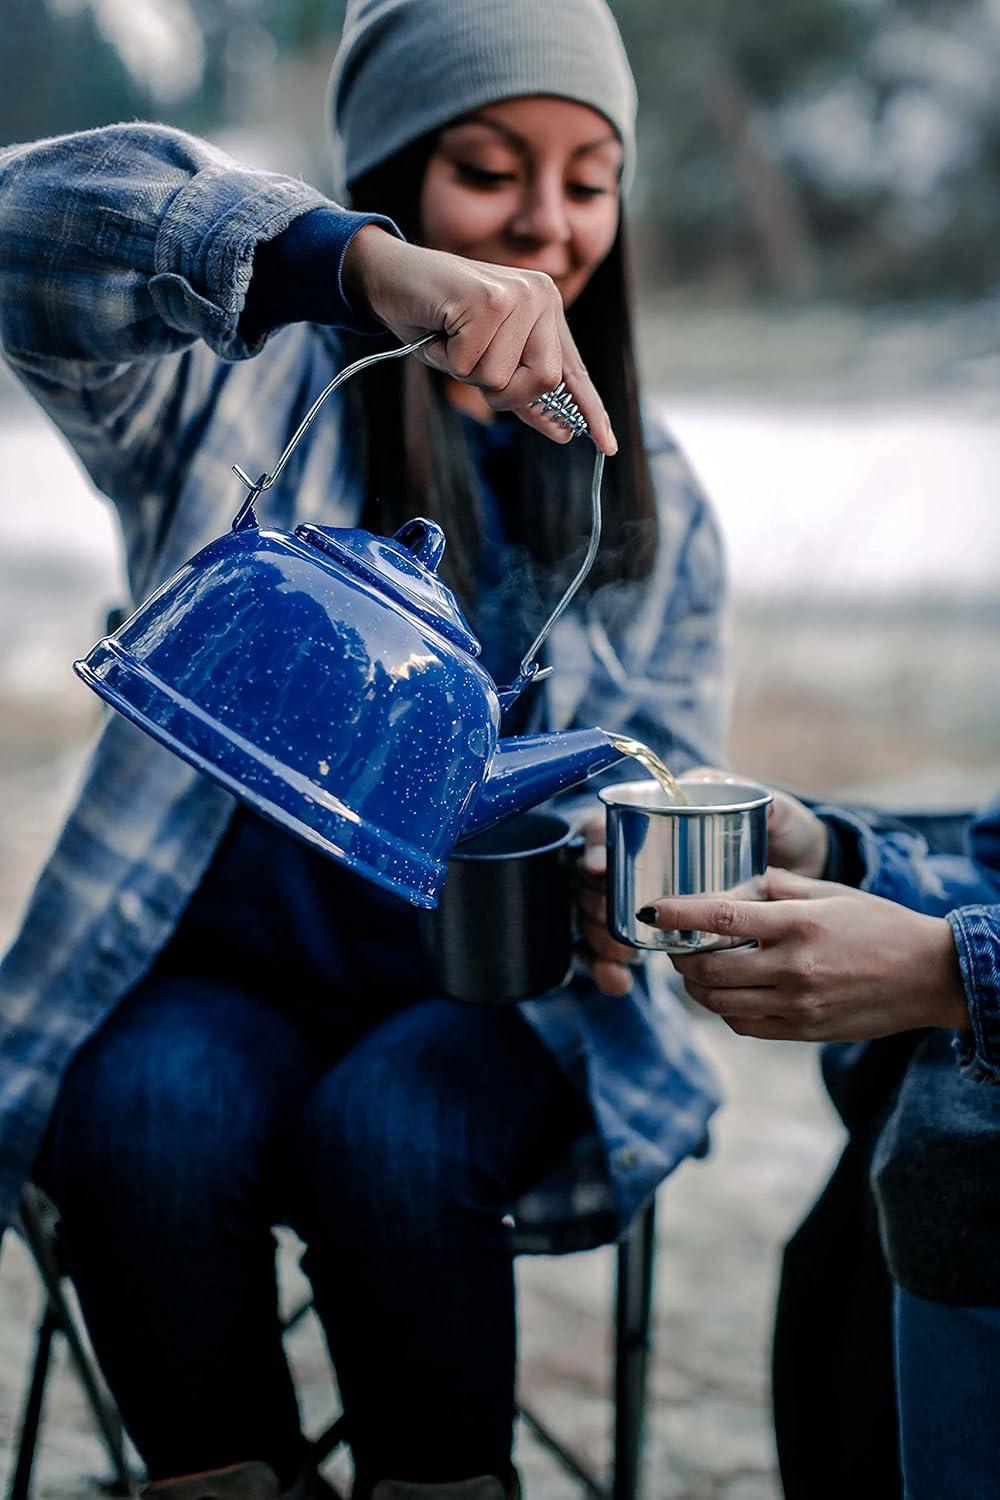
(646, 914)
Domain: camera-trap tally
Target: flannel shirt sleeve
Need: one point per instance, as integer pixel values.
(124, 252)
(963, 888)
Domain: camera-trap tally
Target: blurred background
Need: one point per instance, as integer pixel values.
(817, 231)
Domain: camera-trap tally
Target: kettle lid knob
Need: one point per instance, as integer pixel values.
(424, 539)
(403, 566)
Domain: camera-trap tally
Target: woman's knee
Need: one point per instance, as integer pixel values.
(373, 1156)
(440, 1114)
(176, 1094)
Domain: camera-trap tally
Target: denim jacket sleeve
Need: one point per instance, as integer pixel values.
(126, 254)
(966, 890)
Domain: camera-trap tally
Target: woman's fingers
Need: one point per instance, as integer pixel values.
(609, 961)
(584, 392)
(507, 324)
(785, 885)
(594, 860)
(611, 979)
(600, 943)
(765, 1028)
(537, 368)
(798, 839)
(507, 334)
(479, 348)
(517, 361)
(525, 360)
(594, 931)
(592, 905)
(743, 1004)
(759, 920)
(731, 968)
(592, 900)
(761, 1013)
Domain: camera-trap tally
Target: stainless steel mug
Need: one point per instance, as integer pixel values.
(716, 844)
(503, 928)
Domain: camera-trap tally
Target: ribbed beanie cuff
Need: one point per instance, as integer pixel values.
(407, 67)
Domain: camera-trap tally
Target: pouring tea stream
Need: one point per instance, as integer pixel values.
(651, 762)
(328, 678)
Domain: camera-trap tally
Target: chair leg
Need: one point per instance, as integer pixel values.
(632, 1338)
(563, 1455)
(330, 1438)
(107, 1419)
(31, 1417)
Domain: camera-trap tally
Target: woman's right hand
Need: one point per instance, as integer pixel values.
(504, 329)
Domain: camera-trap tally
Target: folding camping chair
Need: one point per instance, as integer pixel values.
(38, 1225)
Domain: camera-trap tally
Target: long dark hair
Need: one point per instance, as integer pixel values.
(414, 454)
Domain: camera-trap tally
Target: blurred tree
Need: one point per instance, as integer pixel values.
(843, 145)
(707, 75)
(60, 73)
(848, 147)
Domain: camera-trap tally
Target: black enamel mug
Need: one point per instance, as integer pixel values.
(504, 926)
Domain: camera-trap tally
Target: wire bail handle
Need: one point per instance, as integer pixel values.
(558, 404)
(246, 516)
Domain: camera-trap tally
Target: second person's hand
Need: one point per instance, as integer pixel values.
(504, 329)
(830, 963)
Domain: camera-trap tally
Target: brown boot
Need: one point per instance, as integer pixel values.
(486, 1487)
(237, 1482)
(310, 1486)
(241, 1482)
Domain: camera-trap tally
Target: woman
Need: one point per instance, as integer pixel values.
(233, 1041)
(910, 943)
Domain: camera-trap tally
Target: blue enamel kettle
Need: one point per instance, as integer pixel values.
(328, 678)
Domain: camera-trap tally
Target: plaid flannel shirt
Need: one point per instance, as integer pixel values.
(125, 258)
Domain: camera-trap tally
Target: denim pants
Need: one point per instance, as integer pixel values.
(265, 1074)
(948, 1374)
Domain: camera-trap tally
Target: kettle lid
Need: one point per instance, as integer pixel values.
(404, 566)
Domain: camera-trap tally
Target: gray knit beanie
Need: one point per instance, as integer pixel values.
(407, 67)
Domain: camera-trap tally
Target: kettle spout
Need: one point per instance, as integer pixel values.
(528, 769)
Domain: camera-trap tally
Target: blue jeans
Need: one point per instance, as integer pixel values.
(948, 1374)
(314, 1084)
